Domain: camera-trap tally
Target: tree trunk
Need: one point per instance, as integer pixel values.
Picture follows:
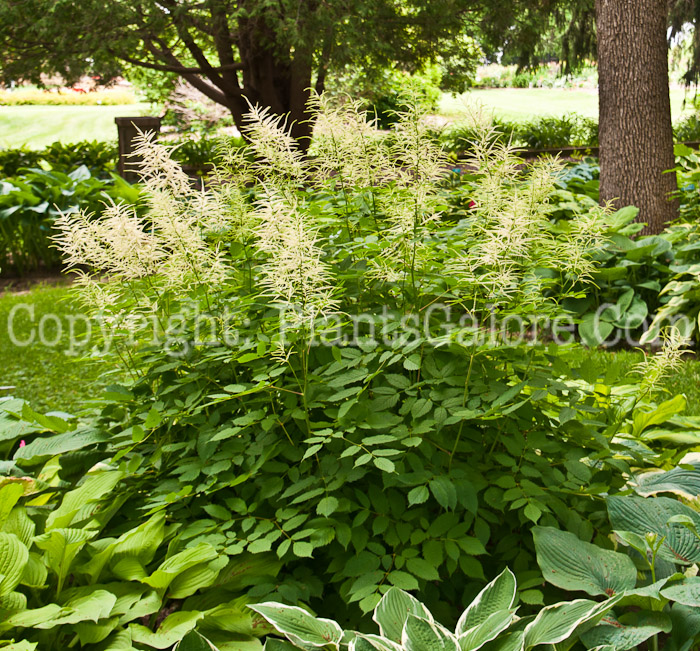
(636, 138)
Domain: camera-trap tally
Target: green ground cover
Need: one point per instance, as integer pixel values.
(38, 126)
(526, 103)
(48, 376)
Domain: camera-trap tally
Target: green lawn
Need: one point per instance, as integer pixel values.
(38, 126)
(525, 103)
(50, 377)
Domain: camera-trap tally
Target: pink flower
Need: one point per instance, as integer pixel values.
(22, 444)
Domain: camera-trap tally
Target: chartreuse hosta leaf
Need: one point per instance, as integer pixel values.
(14, 557)
(299, 626)
(18, 646)
(79, 504)
(559, 622)
(60, 548)
(393, 610)
(420, 634)
(174, 566)
(628, 631)
(171, 631)
(193, 641)
(572, 564)
(645, 516)
(9, 495)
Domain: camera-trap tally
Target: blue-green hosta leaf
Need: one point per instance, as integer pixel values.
(681, 481)
(687, 592)
(572, 564)
(90, 608)
(172, 630)
(651, 515)
(61, 547)
(499, 595)
(177, 564)
(559, 622)
(195, 578)
(474, 638)
(14, 557)
(79, 504)
(300, 627)
(685, 627)
(421, 634)
(393, 610)
(628, 632)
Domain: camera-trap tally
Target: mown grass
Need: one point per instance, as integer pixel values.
(522, 104)
(50, 375)
(38, 126)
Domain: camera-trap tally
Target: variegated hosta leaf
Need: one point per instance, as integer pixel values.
(367, 642)
(171, 631)
(393, 610)
(499, 595)
(628, 632)
(681, 481)
(299, 626)
(488, 630)
(559, 622)
(14, 557)
(571, 564)
(421, 634)
(642, 516)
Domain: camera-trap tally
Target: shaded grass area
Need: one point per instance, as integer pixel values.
(48, 374)
(686, 381)
(522, 104)
(38, 126)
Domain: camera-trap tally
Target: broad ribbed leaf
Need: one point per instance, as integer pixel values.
(300, 627)
(120, 641)
(14, 557)
(50, 446)
(559, 622)
(499, 595)
(95, 632)
(393, 610)
(20, 524)
(9, 495)
(172, 630)
(634, 629)
(488, 630)
(177, 564)
(20, 646)
(650, 515)
(30, 618)
(77, 505)
(193, 641)
(681, 481)
(143, 541)
(368, 642)
(686, 593)
(195, 578)
(13, 601)
(61, 547)
(421, 634)
(88, 608)
(272, 644)
(572, 564)
(235, 617)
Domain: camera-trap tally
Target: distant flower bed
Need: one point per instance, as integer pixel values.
(70, 97)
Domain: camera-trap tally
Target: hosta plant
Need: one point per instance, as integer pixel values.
(405, 624)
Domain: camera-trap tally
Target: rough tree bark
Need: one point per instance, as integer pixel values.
(636, 138)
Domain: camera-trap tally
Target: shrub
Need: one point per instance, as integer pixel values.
(384, 461)
(23, 96)
(31, 203)
(99, 157)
